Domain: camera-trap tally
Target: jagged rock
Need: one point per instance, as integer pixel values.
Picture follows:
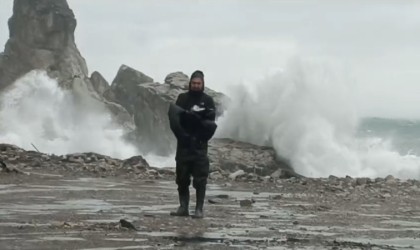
(246, 203)
(99, 83)
(130, 77)
(8, 169)
(333, 178)
(100, 164)
(277, 174)
(276, 197)
(148, 103)
(363, 181)
(379, 180)
(177, 79)
(135, 161)
(253, 177)
(215, 175)
(78, 162)
(41, 37)
(230, 156)
(390, 179)
(214, 201)
(166, 171)
(237, 174)
(124, 87)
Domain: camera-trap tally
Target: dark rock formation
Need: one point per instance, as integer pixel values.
(228, 156)
(148, 103)
(99, 83)
(42, 38)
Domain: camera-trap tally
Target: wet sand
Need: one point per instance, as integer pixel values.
(69, 212)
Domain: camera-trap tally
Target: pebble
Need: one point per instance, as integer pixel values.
(236, 174)
(390, 179)
(245, 203)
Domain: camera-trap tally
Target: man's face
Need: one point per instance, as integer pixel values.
(197, 84)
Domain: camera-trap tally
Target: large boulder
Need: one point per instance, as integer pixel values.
(148, 102)
(100, 85)
(228, 156)
(42, 38)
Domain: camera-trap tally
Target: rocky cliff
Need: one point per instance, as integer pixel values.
(148, 102)
(41, 36)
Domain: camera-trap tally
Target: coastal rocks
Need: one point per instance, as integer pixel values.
(247, 160)
(78, 163)
(97, 164)
(41, 37)
(148, 102)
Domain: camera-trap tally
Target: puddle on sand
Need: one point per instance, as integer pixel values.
(46, 197)
(8, 238)
(77, 187)
(119, 248)
(90, 205)
(371, 229)
(14, 224)
(81, 206)
(237, 195)
(45, 174)
(244, 232)
(114, 208)
(270, 214)
(370, 205)
(158, 234)
(23, 190)
(97, 221)
(402, 223)
(300, 248)
(288, 231)
(46, 188)
(3, 213)
(97, 182)
(59, 238)
(155, 208)
(62, 238)
(395, 242)
(126, 239)
(208, 237)
(340, 230)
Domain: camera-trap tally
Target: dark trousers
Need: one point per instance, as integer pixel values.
(198, 169)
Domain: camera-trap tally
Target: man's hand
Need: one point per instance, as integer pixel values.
(192, 116)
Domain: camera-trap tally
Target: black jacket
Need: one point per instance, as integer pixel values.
(193, 129)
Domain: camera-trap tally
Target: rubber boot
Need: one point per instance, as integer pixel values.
(184, 200)
(200, 194)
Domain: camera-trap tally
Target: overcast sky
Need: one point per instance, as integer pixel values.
(376, 42)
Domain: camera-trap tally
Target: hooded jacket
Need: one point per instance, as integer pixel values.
(193, 123)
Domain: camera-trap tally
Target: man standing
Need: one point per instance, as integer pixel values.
(193, 127)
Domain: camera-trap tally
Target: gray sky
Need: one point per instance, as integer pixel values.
(377, 43)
